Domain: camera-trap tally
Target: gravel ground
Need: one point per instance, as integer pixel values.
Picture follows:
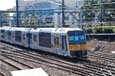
(49, 70)
(108, 46)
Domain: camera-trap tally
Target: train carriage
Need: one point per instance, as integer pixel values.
(69, 42)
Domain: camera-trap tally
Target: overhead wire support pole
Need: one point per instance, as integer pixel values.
(63, 16)
(17, 12)
(101, 12)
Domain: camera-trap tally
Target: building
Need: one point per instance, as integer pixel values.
(23, 4)
(73, 20)
(44, 6)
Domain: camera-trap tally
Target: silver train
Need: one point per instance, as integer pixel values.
(70, 42)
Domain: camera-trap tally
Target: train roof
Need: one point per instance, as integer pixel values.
(54, 30)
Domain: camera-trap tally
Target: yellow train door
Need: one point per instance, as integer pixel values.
(56, 42)
(12, 35)
(35, 39)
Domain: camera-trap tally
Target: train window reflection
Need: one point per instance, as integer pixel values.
(71, 37)
(82, 39)
(76, 38)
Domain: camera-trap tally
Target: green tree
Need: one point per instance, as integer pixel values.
(91, 9)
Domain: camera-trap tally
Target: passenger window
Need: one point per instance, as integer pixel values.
(56, 42)
(18, 36)
(45, 39)
(82, 39)
(76, 38)
(71, 38)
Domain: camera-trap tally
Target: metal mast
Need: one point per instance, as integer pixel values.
(17, 12)
(101, 14)
(63, 16)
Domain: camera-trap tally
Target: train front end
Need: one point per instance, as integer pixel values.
(77, 47)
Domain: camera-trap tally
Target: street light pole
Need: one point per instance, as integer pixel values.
(63, 16)
(17, 12)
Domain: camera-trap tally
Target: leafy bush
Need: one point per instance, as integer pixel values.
(108, 30)
(88, 30)
(100, 29)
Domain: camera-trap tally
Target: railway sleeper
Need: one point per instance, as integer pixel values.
(100, 67)
(72, 68)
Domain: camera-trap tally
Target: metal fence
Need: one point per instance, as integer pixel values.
(82, 14)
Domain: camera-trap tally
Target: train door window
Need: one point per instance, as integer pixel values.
(12, 35)
(35, 39)
(24, 37)
(56, 42)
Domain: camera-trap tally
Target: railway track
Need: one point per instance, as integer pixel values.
(4, 71)
(21, 66)
(15, 64)
(65, 66)
(104, 57)
(1, 74)
(80, 70)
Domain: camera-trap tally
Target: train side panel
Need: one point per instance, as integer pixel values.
(62, 41)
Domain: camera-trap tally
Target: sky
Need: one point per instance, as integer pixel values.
(6, 4)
